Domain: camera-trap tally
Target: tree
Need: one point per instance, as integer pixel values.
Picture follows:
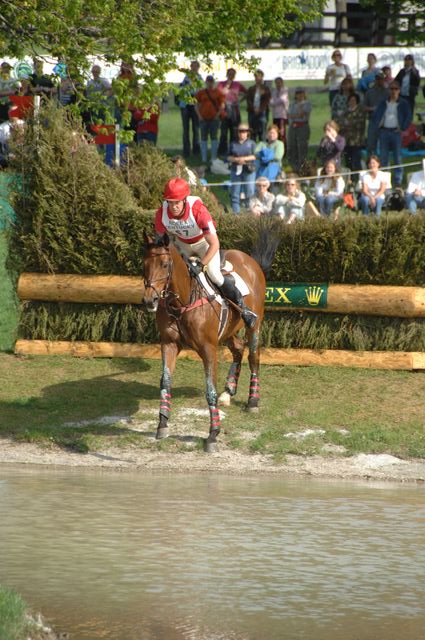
(148, 32)
(405, 19)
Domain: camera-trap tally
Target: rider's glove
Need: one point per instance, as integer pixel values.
(195, 268)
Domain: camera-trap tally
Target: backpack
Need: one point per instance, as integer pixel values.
(396, 201)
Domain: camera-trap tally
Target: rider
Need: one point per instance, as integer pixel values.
(188, 222)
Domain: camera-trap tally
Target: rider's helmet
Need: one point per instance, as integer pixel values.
(176, 189)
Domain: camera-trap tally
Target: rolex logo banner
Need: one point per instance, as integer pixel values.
(307, 296)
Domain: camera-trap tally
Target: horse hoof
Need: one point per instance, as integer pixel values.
(161, 433)
(210, 447)
(252, 409)
(224, 399)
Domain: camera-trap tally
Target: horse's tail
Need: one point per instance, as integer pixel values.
(264, 250)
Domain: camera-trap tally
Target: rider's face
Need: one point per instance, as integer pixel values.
(175, 207)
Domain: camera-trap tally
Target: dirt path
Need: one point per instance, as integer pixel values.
(366, 466)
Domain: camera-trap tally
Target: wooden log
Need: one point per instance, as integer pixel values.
(395, 360)
(391, 301)
(81, 288)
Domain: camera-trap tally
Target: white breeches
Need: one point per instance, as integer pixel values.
(199, 249)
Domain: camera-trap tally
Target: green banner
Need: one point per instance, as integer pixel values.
(306, 296)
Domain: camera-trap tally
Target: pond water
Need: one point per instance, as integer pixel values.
(128, 556)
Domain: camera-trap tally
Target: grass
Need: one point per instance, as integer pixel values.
(8, 308)
(15, 623)
(41, 399)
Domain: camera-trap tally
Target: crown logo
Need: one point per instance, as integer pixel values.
(313, 295)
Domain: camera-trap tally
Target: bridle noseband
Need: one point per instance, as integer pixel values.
(149, 284)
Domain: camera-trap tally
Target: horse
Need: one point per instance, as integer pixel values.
(186, 315)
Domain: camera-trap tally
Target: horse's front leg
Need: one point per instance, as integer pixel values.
(254, 365)
(209, 358)
(169, 356)
(236, 346)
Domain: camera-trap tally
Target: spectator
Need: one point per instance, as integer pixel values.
(335, 74)
(368, 74)
(147, 123)
(329, 188)
(298, 129)
(41, 83)
(373, 185)
(188, 112)
(183, 171)
(331, 145)
(373, 96)
(242, 174)
(234, 93)
(388, 77)
(8, 86)
(353, 130)
(415, 193)
(258, 100)
(279, 103)
(261, 203)
(392, 116)
(10, 130)
(270, 154)
(290, 205)
(339, 103)
(409, 79)
(210, 108)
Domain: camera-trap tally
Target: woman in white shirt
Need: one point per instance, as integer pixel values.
(335, 74)
(290, 206)
(329, 188)
(373, 186)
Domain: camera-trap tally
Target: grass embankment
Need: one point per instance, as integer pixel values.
(42, 400)
(16, 622)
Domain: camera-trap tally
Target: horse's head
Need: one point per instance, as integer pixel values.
(158, 269)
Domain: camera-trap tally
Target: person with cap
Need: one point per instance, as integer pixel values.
(8, 86)
(210, 108)
(242, 167)
(409, 80)
(189, 224)
(373, 96)
(298, 129)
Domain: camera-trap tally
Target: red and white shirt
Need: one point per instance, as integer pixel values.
(191, 227)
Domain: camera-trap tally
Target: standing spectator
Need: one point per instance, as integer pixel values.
(329, 188)
(234, 93)
(188, 112)
(415, 193)
(210, 108)
(335, 74)
(242, 174)
(258, 100)
(8, 86)
(270, 154)
(409, 79)
(331, 145)
(373, 184)
(290, 205)
(339, 103)
(147, 123)
(298, 129)
(388, 76)
(373, 97)
(353, 130)
(392, 116)
(261, 203)
(41, 83)
(368, 74)
(11, 129)
(279, 103)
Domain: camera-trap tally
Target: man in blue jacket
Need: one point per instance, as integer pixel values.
(391, 117)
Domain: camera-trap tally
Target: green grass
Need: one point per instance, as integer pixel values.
(363, 411)
(14, 623)
(8, 308)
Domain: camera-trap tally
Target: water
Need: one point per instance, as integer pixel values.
(129, 556)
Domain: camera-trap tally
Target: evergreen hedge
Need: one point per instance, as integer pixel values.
(76, 215)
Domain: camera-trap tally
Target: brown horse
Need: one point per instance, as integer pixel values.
(186, 315)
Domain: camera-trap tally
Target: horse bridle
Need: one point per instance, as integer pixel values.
(149, 283)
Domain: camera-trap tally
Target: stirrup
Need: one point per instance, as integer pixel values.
(249, 317)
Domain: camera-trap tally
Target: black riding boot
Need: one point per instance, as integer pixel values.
(229, 290)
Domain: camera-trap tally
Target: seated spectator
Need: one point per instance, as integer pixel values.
(261, 203)
(415, 192)
(290, 205)
(353, 130)
(331, 145)
(339, 103)
(270, 154)
(373, 185)
(242, 172)
(329, 189)
(298, 129)
(279, 103)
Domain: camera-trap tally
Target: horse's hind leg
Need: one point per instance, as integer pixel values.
(236, 346)
(169, 357)
(254, 365)
(209, 357)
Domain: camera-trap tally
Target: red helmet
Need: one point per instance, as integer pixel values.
(176, 189)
